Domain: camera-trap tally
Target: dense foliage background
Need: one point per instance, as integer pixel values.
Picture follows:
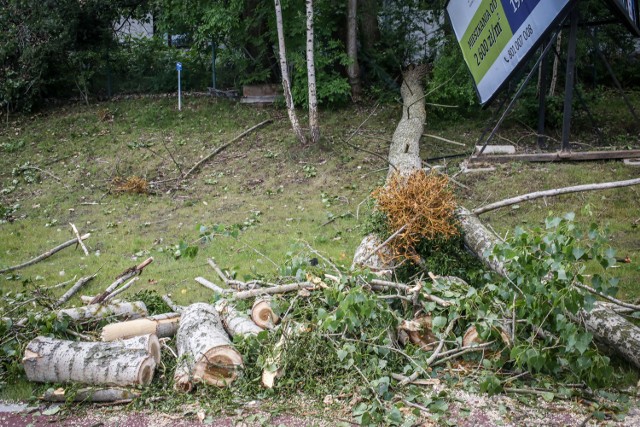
(66, 48)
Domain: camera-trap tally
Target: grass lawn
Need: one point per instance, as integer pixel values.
(62, 166)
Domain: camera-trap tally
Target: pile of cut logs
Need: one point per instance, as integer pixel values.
(130, 350)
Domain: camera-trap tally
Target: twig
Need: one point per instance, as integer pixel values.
(460, 351)
(355, 147)
(222, 147)
(362, 124)
(172, 305)
(220, 273)
(439, 138)
(121, 289)
(210, 285)
(43, 171)
(281, 289)
(74, 289)
(46, 254)
(126, 275)
(407, 288)
(332, 265)
(607, 297)
(383, 244)
(175, 162)
(555, 192)
(75, 231)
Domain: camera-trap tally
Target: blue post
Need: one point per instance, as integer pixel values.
(179, 68)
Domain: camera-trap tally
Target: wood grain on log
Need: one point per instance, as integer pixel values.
(204, 349)
(99, 363)
(263, 315)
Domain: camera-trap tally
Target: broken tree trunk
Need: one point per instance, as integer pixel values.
(604, 324)
(262, 314)
(131, 310)
(119, 363)
(204, 349)
(162, 325)
(404, 155)
(235, 323)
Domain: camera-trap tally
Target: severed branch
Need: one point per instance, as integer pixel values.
(281, 289)
(217, 269)
(607, 297)
(222, 147)
(555, 192)
(172, 305)
(46, 254)
(75, 231)
(73, 290)
(126, 275)
(120, 290)
(408, 289)
(210, 285)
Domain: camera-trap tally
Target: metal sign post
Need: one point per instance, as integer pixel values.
(179, 68)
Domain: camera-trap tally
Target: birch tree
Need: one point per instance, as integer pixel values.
(286, 83)
(311, 78)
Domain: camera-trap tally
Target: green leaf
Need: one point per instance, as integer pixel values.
(548, 396)
(51, 411)
(342, 354)
(395, 416)
(578, 253)
(439, 322)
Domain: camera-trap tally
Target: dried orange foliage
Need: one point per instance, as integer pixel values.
(422, 202)
(132, 184)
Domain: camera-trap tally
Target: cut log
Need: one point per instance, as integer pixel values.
(130, 310)
(204, 350)
(121, 363)
(162, 325)
(235, 323)
(96, 395)
(263, 315)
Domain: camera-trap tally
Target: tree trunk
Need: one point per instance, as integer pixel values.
(314, 125)
(235, 323)
(263, 315)
(131, 310)
(605, 325)
(614, 331)
(162, 325)
(119, 363)
(404, 154)
(286, 83)
(353, 69)
(204, 349)
(369, 26)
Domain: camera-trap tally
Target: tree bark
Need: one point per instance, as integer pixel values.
(614, 331)
(235, 323)
(404, 155)
(314, 125)
(131, 310)
(120, 363)
(95, 395)
(263, 315)
(286, 83)
(353, 69)
(280, 289)
(126, 275)
(204, 350)
(162, 325)
(369, 26)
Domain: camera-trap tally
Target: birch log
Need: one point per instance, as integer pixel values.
(605, 325)
(204, 350)
(263, 315)
(235, 323)
(96, 395)
(131, 310)
(162, 325)
(50, 360)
